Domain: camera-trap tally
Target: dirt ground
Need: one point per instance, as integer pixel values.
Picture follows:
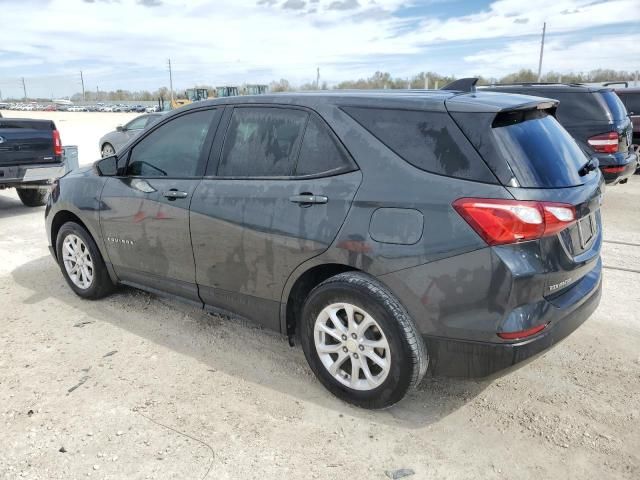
(135, 386)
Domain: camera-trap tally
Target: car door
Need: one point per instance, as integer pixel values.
(145, 212)
(281, 191)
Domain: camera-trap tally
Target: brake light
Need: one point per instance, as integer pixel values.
(613, 169)
(605, 142)
(57, 143)
(523, 333)
(501, 222)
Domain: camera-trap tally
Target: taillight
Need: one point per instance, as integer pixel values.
(605, 142)
(501, 222)
(523, 333)
(618, 169)
(57, 143)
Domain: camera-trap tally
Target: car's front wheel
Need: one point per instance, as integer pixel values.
(360, 342)
(81, 262)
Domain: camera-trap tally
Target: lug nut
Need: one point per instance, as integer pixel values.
(345, 349)
(344, 337)
(354, 336)
(361, 347)
(355, 355)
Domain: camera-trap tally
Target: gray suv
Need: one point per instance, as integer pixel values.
(391, 233)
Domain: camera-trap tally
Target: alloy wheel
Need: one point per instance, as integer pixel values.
(352, 346)
(77, 261)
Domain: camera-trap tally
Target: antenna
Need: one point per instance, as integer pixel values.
(462, 85)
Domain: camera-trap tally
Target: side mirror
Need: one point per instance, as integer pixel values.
(107, 167)
(120, 128)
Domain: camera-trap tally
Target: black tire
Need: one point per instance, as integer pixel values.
(33, 197)
(408, 353)
(101, 285)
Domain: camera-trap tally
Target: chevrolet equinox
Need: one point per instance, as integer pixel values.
(391, 233)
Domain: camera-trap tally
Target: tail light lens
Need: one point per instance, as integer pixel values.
(57, 143)
(523, 333)
(501, 222)
(618, 169)
(605, 142)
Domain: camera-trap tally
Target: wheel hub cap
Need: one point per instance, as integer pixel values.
(352, 346)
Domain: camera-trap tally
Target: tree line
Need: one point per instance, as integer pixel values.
(379, 80)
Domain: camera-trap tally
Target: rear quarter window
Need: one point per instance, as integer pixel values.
(430, 141)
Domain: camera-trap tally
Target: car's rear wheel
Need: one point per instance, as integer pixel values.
(33, 197)
(360, 342)
(81, 262)
(107, 150)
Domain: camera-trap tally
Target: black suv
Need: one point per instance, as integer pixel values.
(595, 117)
(389, 232)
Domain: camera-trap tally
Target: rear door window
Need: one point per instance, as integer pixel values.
(430, 141)
(540, 152)
(262, 142)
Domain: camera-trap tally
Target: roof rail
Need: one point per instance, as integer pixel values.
(462, 85)
(515, 84)
(626, 84)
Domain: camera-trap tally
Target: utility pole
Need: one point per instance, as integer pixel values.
(318, 78)
(170, 80)
(97, 94)
(84, 98)
(24, 89)
(426, 82)
(544, 30)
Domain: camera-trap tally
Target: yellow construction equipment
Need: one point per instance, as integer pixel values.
(193, 95)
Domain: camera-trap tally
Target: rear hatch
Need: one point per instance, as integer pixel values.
(620, 118)
(25, 142)
(538, 161)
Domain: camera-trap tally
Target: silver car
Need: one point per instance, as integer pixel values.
(113, 141)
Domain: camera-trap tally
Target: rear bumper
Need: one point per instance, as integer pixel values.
(41, 174)
(461, 358)
(629, 165)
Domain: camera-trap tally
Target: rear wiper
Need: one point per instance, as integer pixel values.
(590, 166)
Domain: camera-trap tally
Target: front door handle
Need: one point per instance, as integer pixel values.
(174, 194)
(308, 199)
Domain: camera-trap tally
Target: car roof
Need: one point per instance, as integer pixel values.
(428, 100)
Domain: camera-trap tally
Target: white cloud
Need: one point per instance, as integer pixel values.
(216, 42)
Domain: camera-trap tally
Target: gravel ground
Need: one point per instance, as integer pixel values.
(135, 386)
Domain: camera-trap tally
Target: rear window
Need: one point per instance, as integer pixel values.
(617, 108)
(539, 150)
(579, 107)
(430, 141)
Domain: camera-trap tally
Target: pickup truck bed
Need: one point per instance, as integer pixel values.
(30, 158)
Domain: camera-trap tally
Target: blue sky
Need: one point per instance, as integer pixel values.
(126, 43)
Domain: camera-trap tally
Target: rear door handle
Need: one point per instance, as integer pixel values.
(308, 199)
(173, 194)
